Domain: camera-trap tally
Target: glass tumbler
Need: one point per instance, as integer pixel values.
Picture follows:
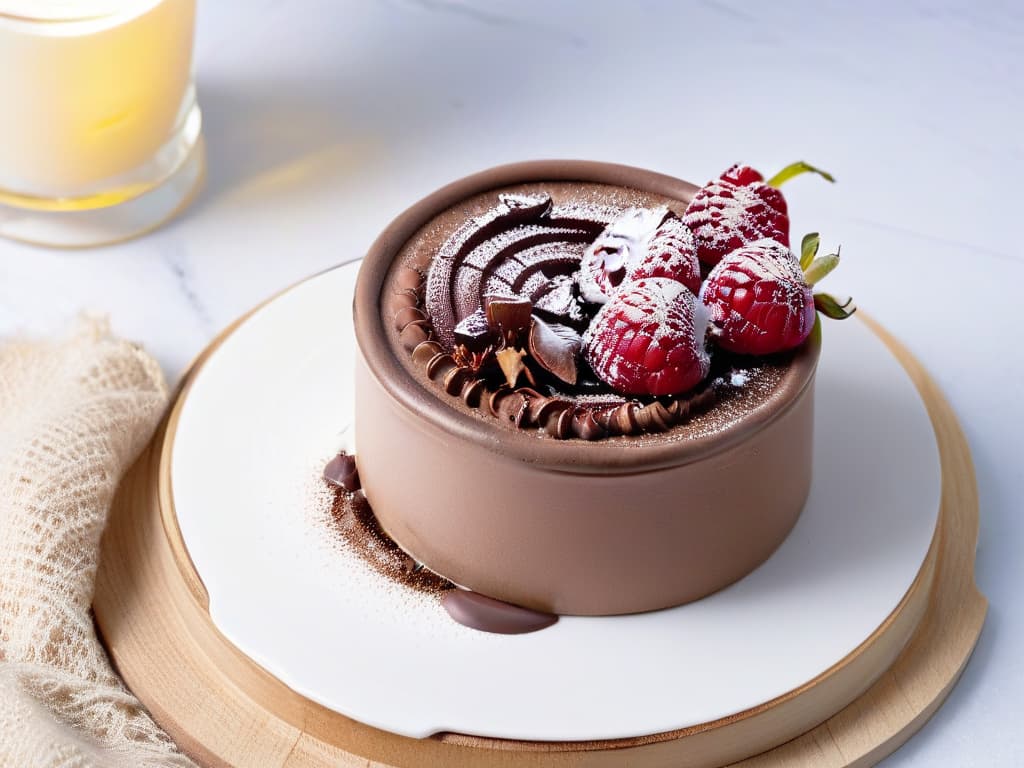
(100, 133)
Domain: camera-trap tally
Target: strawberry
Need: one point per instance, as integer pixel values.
(640, 243)
(740, 207)
(760, 296)
(649, 339)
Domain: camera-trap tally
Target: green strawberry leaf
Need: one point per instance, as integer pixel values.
(809, 249)
(795, 169)
(830, 306)
(820, 268)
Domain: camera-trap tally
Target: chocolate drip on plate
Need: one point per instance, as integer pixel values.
(489, 615)
(342, 472)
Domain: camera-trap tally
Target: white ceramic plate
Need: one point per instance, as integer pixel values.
(268, 409)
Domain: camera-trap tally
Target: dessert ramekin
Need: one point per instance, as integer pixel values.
(616, 526)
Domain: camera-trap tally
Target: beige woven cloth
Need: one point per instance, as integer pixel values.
(73, 417)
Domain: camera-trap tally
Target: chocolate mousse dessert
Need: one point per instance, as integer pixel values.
(585, 388)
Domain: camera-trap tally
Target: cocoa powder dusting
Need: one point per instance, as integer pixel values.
(352, 520)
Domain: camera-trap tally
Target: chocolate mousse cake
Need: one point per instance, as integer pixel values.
(584, 388)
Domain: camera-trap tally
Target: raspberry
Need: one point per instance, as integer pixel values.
(724, 216)
(670, 253)
(758, 300)
(739, 208)
(649, 339)
(742, 175)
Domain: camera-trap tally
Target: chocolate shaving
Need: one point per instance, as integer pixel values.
(560, 426)
(532, 205)
(557, 301)
(475, 332)
(556, 349)
(511, 363)
(625, 418)
(472, 361)
(511, 315)
(679, 409)
(654, 418)
(398, 303)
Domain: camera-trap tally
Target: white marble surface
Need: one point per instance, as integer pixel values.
(325, 118)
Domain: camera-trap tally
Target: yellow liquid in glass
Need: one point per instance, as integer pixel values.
(89, 109)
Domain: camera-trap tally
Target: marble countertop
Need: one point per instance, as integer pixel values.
(325, 119)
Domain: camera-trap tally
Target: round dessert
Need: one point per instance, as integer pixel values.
(560, 407)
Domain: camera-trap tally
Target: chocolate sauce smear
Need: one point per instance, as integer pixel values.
(486, 614)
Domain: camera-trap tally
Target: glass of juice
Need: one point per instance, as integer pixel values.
(100, 133)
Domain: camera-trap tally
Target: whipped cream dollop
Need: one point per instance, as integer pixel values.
(622, 244)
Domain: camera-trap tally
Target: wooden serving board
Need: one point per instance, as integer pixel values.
(223, 709)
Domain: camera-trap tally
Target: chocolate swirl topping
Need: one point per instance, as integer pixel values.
(523, 247)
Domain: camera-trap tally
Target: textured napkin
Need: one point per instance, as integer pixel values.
(73, 417)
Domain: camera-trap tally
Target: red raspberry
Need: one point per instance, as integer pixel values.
(759, 300)
(739, 208)
(742, 175)
(649, 339)
(724, 216)
(640, 243)
(670, 253)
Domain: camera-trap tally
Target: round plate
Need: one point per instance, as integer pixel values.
(269, 406)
